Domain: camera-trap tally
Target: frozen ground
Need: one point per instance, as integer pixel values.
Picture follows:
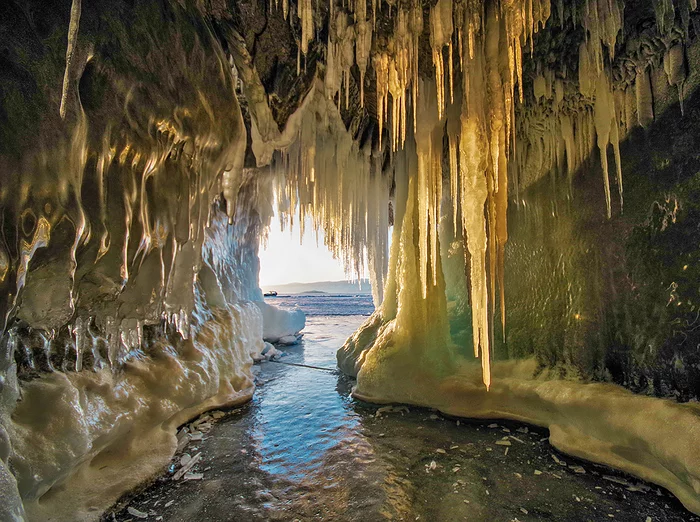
(304, 450)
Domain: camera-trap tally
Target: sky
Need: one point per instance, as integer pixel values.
(286, 261)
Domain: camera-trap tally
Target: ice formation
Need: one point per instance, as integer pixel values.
(280, 324)
(129, 275)
(131, 214)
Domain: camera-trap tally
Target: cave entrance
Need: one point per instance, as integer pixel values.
(299, 272)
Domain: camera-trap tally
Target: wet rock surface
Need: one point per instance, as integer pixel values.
(338, 459)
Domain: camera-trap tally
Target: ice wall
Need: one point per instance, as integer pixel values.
(129, 234)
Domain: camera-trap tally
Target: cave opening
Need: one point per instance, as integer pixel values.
(518, 180)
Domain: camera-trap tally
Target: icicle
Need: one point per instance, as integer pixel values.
(440, 35)
(416, 29)
(362, 53)
(645, 106)
(380, 63)
(474, 194)
(73, 28)
(603, 115)
(675, 68)
(333, 72)
(586, 73)
(453, 137)
(429, 185)
(306, 17)
(450, 67)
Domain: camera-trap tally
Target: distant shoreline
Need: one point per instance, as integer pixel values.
(319, 294)
(321, 287)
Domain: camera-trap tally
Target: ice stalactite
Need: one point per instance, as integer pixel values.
(500, 96)
(340, 57)
(380, 63)
(441, 29)
(306, 19)
(363, 46)
(478, 174)
(428, 183)
(70, 53)
(325, 176)
(474, 194)
(453, 136)
(675, 68)
(602, 115)
(379, 188)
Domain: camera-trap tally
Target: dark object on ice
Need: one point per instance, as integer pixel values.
(270, 294)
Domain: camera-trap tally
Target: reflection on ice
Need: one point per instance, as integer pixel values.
(301, 429)
(303, 449)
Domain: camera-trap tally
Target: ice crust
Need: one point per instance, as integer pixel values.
(281, 324)
(100, 434)
(654, 439)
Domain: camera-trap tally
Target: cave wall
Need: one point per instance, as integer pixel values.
(126, 278)
(614, 299)
(129, 227)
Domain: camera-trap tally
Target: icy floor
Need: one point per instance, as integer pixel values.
(303, 450)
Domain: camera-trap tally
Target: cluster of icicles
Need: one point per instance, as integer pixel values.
(599, 102)
(478, 114)
(339, 187)
(330, 181)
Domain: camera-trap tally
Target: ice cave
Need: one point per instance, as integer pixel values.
(518, 179)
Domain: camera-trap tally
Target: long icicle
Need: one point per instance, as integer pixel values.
(73, 28)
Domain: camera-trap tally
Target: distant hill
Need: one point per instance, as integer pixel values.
(329, 287)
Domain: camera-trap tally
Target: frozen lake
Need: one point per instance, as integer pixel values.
(326, 304)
